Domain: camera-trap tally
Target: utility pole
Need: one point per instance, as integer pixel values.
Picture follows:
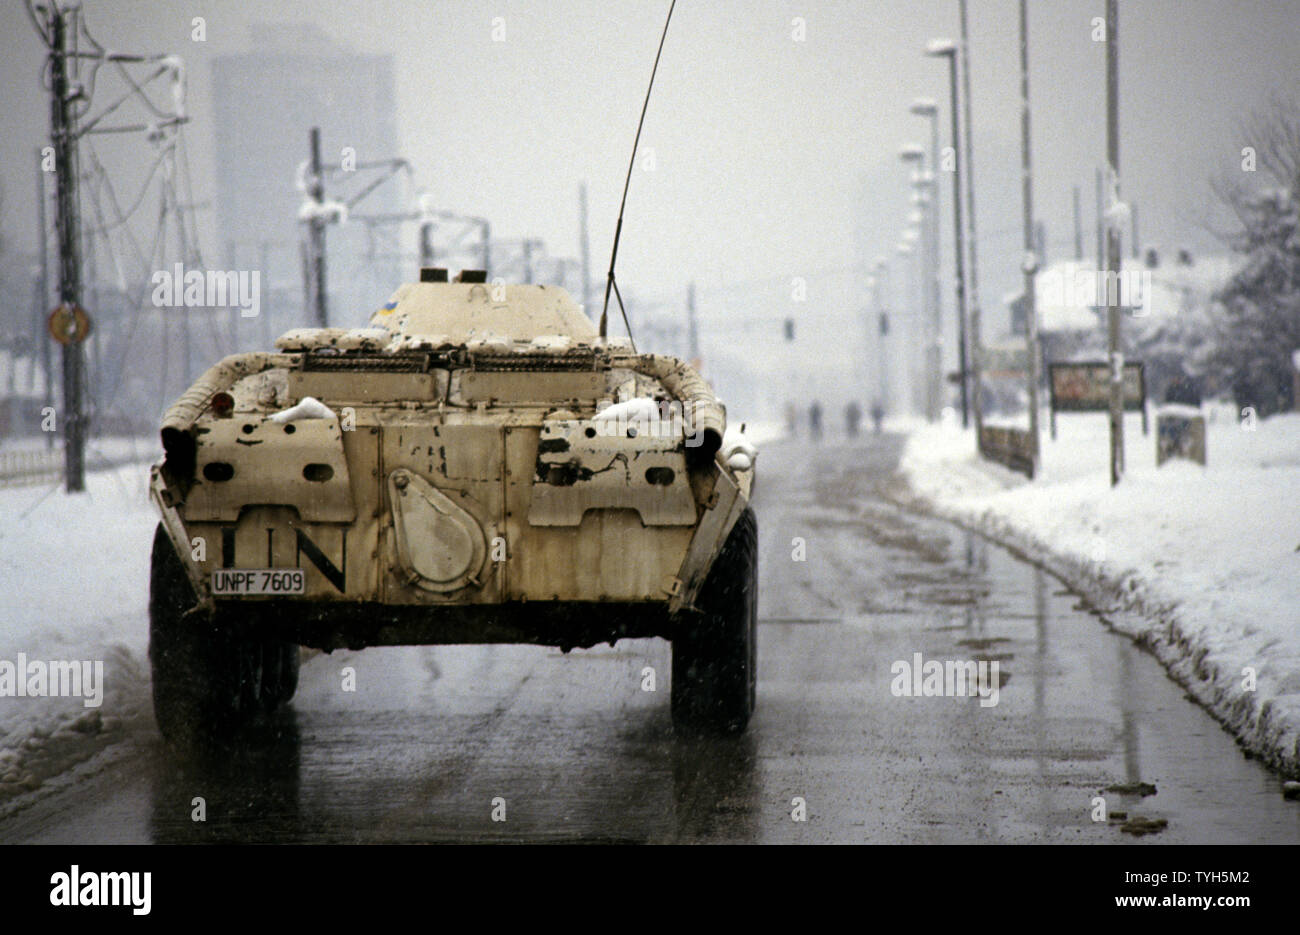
(1133, 215)
(1078, 227)
(1101, 219)
(316, 228)
(39, 335)
(63, 135)
(1031, 260)
(882, 303)
(426, 244)
(692, 330)
(1113, 246)
(39, 338)
(586, 248)
(976, 345)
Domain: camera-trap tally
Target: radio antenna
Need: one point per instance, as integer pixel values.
(610, 284)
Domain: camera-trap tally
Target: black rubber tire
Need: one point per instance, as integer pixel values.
(279, 673)
(715, 651)
(290, 657)
(200, 669)
(270, 683)
(251, 690)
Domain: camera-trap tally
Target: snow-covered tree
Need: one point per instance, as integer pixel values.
(1256, 321)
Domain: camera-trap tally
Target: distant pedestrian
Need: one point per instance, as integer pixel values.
(852, 418)
(815, 420)
(877, 415)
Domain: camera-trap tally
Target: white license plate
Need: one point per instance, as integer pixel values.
(242, 582)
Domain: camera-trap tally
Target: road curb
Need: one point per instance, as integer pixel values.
(1267, 729)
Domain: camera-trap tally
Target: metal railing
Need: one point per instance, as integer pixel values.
(29, 468)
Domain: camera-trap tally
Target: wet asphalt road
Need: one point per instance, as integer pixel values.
(571, 747)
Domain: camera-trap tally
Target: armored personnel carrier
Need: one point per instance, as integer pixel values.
(475, 466)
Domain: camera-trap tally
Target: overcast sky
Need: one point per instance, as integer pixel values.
(762, 144)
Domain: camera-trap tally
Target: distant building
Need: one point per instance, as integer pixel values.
(264, 103)
(1159, 296)
(1070, 295)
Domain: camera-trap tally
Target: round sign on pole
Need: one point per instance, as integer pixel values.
(69, 324)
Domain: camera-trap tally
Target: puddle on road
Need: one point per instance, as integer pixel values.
(984, 643)
(1082, 708)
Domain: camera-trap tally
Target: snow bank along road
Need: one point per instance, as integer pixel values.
(1201, 564)
(859, 600)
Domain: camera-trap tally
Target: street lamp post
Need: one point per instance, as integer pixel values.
(946, 48)
(868, 310)
(914, 155)
(1031, 261)
(911, 297)
(922, 188)
(882, 307)
(1112, 265)
(976, 350)
(924, 107)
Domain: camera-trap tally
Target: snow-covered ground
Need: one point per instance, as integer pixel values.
(1202, 564)
(74, 586)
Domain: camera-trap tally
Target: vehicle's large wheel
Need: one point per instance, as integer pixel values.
(279, 673)
(715, 652)
(253, 690)
(200, 668)
(290, 658)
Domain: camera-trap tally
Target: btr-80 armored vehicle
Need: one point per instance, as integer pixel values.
(476, 466)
